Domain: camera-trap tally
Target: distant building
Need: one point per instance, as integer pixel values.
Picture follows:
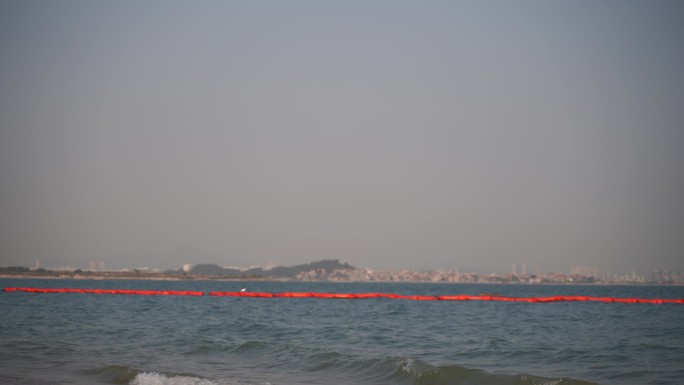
(187, 267)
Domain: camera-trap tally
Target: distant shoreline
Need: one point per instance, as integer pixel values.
(100, 276)
(129, 276)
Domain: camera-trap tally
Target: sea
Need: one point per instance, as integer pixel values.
(80, 338)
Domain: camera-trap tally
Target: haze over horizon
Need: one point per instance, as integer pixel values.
(385, 134)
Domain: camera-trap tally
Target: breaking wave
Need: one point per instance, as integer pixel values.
(338, 368)
(153, 378)
(119, 374)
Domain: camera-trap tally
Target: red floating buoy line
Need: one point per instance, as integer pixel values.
(102, 291)
(558, 298)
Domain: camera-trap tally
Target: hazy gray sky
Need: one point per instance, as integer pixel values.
(410, 134)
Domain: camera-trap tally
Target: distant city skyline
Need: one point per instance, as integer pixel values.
(389, 134)
(337, 271)
(164, 262)
(188, 255)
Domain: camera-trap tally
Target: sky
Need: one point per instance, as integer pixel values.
(386, 134)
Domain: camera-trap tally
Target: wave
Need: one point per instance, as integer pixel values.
(124, 375)
(153, 378)
(342, 369)
(420, 373)
(114, 374)
(406, 371)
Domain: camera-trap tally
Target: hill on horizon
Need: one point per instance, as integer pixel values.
(276, 272)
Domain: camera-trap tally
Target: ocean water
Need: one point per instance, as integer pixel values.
(73, 338)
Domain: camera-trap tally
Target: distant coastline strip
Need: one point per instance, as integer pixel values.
(558, 298)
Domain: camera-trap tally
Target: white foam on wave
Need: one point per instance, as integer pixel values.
(154, 378)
